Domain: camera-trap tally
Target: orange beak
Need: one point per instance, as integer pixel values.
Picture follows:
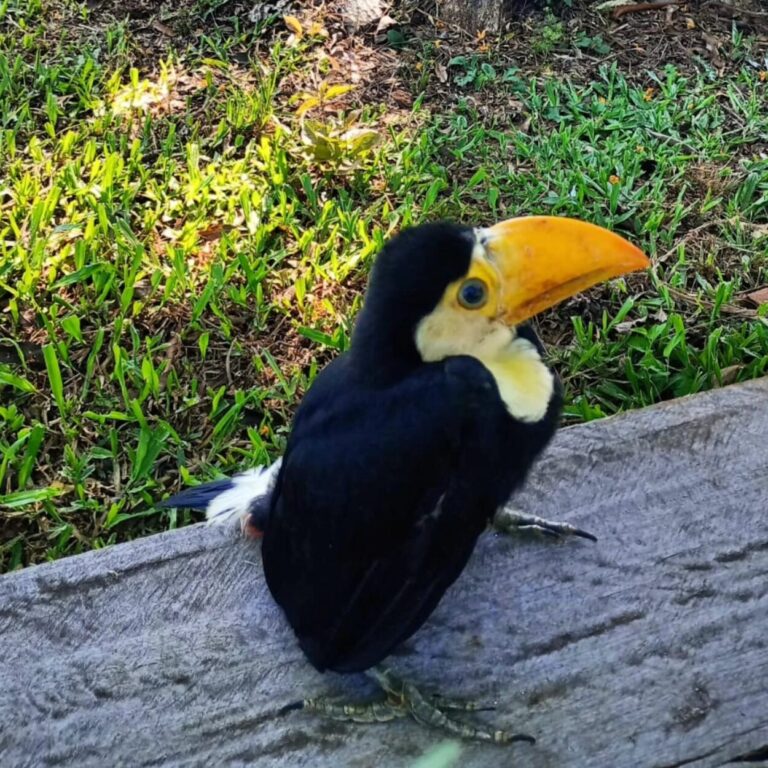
(542, 260)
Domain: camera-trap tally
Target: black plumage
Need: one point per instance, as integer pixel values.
(407, 446)
(393, 468)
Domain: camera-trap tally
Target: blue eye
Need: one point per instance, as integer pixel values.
(473, 293)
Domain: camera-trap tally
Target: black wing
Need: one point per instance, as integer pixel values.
(379, 503)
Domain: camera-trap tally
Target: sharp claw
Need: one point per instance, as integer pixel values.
(505, 737)
(292, 707)
(509, 521)
(541, 529)
(522, 737)
(404, 699)
(584, 534)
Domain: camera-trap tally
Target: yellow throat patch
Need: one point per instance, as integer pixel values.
(525, 383)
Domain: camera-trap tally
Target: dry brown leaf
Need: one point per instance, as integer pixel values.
(163, 29)
(730, 373)
(211, 232)
(627, 325)
(385, 22)
(713, 48)
(441, 72)
(759, 296)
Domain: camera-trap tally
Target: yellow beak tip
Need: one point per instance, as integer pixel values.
(543, 260)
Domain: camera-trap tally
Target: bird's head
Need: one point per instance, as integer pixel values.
(443, 289)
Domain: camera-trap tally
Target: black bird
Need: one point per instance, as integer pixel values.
(409, 445)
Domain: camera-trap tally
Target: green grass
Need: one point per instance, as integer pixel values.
(184, 243)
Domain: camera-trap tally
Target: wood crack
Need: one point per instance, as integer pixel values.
(758, 755)
(559, 642)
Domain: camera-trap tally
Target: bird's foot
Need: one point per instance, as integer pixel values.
(508, 521)
(403, 699)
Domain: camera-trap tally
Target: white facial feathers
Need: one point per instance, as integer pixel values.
(448, 331)
(525, 383)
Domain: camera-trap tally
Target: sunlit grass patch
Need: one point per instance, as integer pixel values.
(184, 243)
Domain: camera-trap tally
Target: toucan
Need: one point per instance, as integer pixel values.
(408, 445)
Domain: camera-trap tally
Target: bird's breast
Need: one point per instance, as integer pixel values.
(526, 384)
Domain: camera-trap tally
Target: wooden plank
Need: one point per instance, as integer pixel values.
(646, 649)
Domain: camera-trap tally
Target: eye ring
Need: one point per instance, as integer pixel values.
(473, 293)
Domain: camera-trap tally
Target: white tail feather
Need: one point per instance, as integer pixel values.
(236, 502)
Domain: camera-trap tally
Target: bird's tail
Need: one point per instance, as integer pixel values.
(245, 497)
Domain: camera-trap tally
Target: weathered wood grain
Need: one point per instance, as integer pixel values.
(649, 648)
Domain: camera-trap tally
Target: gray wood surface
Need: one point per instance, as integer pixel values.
(646, 649)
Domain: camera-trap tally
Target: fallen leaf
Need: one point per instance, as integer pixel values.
(730, 373)
(294, 25)
(174, 349)
(334, 91)
(713, 48)
(163, 29)
(759, 296)
(316, 29)
(627, 325)
(385, 22)
(211, 232)
(441, 72)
